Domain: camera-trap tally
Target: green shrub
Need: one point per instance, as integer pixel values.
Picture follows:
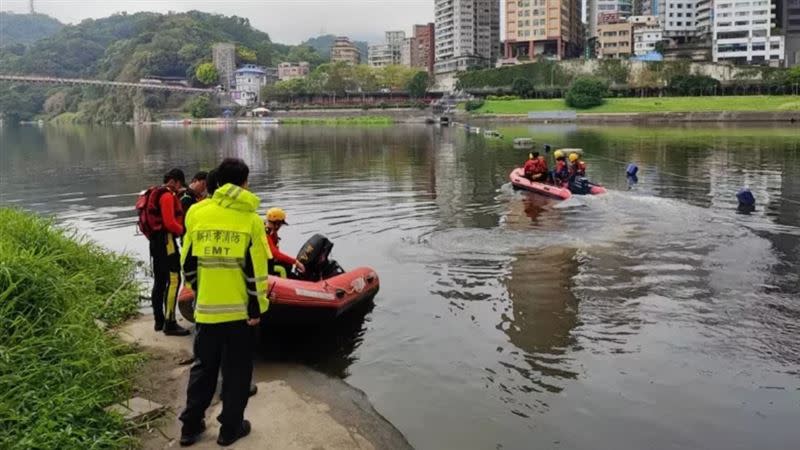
(522, 87)
(502, 98)
(472, 105)
(586, 92)
(692, 85)
(58, 369)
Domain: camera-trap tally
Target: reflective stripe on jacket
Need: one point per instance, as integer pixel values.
(225, 255)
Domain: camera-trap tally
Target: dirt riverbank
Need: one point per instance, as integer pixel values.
(295, 408)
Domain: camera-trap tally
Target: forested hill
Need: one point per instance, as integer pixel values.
(26, 28)
(129, 46)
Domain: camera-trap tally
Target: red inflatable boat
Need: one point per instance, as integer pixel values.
(297, 301)
(519, 181)
(326, 292)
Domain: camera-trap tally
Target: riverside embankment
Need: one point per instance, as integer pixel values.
(67, 353)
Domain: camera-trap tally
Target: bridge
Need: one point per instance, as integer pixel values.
(87, 82)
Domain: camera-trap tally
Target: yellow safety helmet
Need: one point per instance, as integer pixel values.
(558, 154)
(573, 157)
(276, 215)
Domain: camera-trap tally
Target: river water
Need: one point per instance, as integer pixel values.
(655, 317)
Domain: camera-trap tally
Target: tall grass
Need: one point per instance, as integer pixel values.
(58, 369)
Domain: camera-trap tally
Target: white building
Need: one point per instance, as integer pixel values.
(678, 17)
(742, 33)
(406, 52)
(380, 55)
(249, 79)
(647, 32)
(388, 53)
(467, 34)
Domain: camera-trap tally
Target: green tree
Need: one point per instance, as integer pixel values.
(418, 85)
(522, 87)
(206, 73)
(245, 55)
(395, 77)
(586, 92)
(201, 107)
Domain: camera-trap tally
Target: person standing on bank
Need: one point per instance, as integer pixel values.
(195, 192)
(167, 214)
(224, 259)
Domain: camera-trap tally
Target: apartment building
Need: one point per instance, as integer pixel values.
(424, 42)
(289, 70)
(467, 34)
(790, 24)
(343, 50)
(595, 8)
(388, 53)
(614, 40)
(548, 28)
(743, 33)
(647, 32)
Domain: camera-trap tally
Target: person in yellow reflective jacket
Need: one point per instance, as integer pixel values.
(224, 260)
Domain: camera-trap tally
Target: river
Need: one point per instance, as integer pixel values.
(655, 317)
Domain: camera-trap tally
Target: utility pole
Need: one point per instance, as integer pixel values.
(30, 7)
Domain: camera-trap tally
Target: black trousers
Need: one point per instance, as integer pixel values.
(229, 346)
(166, 261)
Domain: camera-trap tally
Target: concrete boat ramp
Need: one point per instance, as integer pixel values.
(295, 408)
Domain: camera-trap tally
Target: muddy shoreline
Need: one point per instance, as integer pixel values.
(295, 408)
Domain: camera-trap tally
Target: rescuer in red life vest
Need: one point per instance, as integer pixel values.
(166, 219)
(535, 167)
(561, 172)
(281, 263)
(577, 167)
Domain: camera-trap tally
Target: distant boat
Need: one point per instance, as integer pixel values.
(523, 143)
(493, 134)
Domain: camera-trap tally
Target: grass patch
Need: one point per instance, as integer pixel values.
(58, 369)
(652, 104)
(360, 120)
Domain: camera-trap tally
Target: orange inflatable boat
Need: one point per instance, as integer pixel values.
(295, 301)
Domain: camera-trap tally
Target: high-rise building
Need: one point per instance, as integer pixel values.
(424, 42)
(224, 57)
(467, 34)
(388, 53)
(343, 50)
(550, 28)
(743, 32)
(594, 8)
(790, 24)
(645, 7)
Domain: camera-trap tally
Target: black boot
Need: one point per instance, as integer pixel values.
(159, 326)
(173, 329)
(190, 438)
(228, 439)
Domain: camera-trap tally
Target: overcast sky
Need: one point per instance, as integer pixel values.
(286, 21)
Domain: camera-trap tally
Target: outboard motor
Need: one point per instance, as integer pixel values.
(631, 173)
(580, 186)
(747, 202)
(314, 255)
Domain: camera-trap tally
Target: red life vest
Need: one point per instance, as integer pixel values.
(561, 169)
(529, 167)
(147, 206)
(580, 168)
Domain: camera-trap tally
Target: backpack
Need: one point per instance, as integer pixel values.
(149, 214)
